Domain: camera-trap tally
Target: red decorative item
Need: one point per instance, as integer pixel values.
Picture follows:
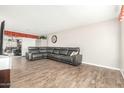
(17, 34)
(121, 16)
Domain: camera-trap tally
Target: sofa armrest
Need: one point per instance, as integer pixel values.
(77, 59)
(28, 56)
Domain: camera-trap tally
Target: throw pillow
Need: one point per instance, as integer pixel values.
(74, 53)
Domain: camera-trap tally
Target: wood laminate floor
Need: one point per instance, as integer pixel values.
(47, 73)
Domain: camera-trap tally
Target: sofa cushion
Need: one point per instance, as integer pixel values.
(42, 50)
(57, 56)
(63, 51)
(36, 55)
(33, 48)
(56, 51)
(44, 54)
(51, 55)
(74, 53)
(34, 51)
(50, 50)
(69, 52)
(66, 58)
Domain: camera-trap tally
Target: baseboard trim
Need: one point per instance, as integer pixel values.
(113, 68)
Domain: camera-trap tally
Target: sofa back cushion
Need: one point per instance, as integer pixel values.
(33, 48)
(71, 50)
(56, 51)
(63, 51)
(74, 53)
(34, 51)
(50, 50)
(43, 50)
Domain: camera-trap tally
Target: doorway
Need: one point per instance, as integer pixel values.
(12, 46)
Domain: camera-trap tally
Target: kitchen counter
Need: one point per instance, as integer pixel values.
(5, 62)
(5, 66)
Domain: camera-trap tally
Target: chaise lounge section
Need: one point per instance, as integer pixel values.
(67, 55)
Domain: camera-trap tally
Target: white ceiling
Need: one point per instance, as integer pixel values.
(48, 19)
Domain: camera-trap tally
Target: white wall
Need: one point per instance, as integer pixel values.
(38, 42)
(99, 43)
(41, 42)
(27, 42)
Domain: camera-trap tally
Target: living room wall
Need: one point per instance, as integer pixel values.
(99, 43)
(41, 42)
(27, 42)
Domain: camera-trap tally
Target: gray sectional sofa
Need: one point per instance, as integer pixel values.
(67, 55)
